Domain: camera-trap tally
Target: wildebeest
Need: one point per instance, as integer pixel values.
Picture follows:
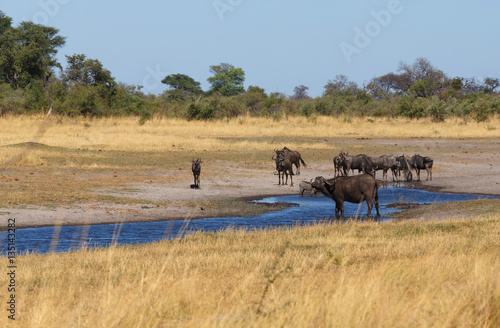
(353, 189)
(196, 168)
(294, 157)
(306, 186)
(284, 167)
(386, 163)
(405, 167)
(337, 163)
(418, 163)
(359, 162)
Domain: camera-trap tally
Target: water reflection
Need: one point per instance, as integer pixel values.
(305, 210)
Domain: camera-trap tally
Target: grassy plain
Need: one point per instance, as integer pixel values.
(400, 274)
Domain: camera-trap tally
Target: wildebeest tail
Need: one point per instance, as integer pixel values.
(302, 161)
(375, 190)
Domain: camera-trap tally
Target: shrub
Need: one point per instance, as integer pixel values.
(437, 110)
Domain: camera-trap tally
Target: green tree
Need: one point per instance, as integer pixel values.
(227, 79)
(27, 52)
(183, 83)
(5, 22)
(81, 70)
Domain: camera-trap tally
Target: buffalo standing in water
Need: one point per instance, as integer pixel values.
(196, 168)
(353, 189)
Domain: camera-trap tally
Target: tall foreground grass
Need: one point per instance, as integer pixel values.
(401, 274)
(125, 134)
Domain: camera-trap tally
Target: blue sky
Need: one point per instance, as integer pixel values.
(279, 44)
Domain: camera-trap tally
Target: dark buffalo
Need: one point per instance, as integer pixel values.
(354, 189)
(418, 163)
(386, 163)
(294, 157)
(360, 162)
(196, 168)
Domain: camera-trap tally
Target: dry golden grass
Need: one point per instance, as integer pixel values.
(125, 134)
(404, 274)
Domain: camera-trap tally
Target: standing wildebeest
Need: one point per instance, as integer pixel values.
(306, 186)
(337, 163)
(386, 163)
(284, 167)
(196, 168)
(404, 166)
(354, 189)
(294, 157)
(418, 163)
(359, 162)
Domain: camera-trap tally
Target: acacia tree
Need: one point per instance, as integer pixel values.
(490, 84)
(300, 92)
(181, 85)
(340, 85)
(227, 79)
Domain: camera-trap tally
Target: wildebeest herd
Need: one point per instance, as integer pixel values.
(342, 187)
(354, 188)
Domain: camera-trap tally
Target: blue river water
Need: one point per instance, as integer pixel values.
(305, 210)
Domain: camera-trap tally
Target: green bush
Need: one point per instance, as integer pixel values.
(11, 101)
(437, 110)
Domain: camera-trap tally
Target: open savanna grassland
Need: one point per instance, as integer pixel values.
(55, 161)
(351, 274)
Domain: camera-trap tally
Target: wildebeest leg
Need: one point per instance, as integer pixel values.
(291, 179)
(418, 173)
(429, 173)
(394, 174)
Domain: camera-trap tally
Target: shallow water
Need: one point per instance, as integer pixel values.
(308, 210)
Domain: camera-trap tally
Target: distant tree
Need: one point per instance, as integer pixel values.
(457, 83)
(86, 71)
(227, 79)
(300, 92)
(490, 84)
(183, 83)
(340, 85)
(27, 52)
(425, 79)
(255, 89)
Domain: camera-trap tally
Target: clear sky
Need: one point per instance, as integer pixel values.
(279, 44)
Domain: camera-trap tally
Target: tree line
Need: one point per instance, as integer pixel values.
(33, 81)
